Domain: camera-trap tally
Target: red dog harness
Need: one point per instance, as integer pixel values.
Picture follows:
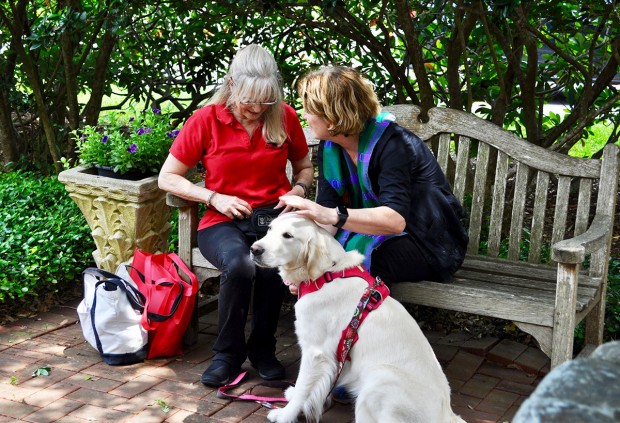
(371, 299)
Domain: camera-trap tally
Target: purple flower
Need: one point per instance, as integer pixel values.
(132, 148)
(156, 112)
(131, 119)
(104, 139)
(148, 130)
(173, 134)
(140, 131)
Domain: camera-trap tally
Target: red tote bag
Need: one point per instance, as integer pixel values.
(170, 300)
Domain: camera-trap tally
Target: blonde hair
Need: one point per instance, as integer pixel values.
(341, 96)
(253, 74)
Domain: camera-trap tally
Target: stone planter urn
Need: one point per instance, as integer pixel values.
(122, 214)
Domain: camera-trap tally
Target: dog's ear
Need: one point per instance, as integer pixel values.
(318, 259)
(341, 259)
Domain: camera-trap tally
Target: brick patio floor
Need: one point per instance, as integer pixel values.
(489, 377)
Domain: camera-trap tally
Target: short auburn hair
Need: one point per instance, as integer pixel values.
(341, 96)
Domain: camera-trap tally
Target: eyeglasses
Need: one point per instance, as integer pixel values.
(258, 103)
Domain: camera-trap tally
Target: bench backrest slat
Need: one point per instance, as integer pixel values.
(518, 206)
(443, 152)
(538, 216)
(478, 198)
(498, 204)
(561, 208)
(583, 206)
(462, 167)
(606, 202)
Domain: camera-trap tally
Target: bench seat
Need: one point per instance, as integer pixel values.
(521, 292)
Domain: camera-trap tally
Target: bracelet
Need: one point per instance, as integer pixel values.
(209, 198)
(304, 187)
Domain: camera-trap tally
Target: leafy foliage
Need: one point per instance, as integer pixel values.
(504, 60)
(136, 143)
(44, 240)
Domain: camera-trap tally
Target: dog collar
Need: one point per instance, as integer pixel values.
(311, 286)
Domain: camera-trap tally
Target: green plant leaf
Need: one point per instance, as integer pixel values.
(165, 407)
(42, 371)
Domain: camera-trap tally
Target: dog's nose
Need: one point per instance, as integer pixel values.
(257, 250)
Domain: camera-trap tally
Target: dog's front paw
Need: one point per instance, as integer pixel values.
(289, 393)
(283, 415)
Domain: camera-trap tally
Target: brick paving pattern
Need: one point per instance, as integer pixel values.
(489, 377)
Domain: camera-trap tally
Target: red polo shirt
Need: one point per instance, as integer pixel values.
(250, 169)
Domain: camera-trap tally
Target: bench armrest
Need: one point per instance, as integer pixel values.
(174, 201)
(574, 250)
(178, 202)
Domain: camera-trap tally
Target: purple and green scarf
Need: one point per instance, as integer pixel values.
(353, 183)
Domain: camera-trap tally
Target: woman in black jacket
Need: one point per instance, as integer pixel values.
(380, 189)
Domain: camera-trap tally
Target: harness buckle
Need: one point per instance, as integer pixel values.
(374, 300)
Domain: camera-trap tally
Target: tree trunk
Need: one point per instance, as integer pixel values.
(44, 118)
(8, 135)
(98, 83)
(456, 52)
(16, 29)
(71, 83)
(416, 54)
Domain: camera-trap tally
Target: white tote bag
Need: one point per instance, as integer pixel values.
(110, 315)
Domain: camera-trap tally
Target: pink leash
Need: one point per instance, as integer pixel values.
(249, 396)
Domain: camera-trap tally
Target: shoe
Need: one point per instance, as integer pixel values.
(341, 395)
(219, 373)
(269, 368)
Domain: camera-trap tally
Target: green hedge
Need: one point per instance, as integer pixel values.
(45, 241)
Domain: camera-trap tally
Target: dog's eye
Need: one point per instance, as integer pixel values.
(287, 235)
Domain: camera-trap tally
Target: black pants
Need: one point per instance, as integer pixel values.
(399, 259)
(227, 248)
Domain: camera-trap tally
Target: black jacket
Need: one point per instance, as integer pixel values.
(406, 177)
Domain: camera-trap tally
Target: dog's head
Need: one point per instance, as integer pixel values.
(301, 250)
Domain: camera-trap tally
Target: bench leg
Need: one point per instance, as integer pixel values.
(190, 337)
(595, 322)
(564, 315)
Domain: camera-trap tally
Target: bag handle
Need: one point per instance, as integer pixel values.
(164, 260)
(148, 265)
(134, 296)
(191, 275)
(181, 265)
(149, 319)
(121, 284)
(100, 273)
(262, 400)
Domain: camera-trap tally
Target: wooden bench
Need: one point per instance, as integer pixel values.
(525, 261)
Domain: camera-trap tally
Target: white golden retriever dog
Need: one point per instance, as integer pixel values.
(393, 373)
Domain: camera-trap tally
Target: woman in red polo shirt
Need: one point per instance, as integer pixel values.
(243, 137)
